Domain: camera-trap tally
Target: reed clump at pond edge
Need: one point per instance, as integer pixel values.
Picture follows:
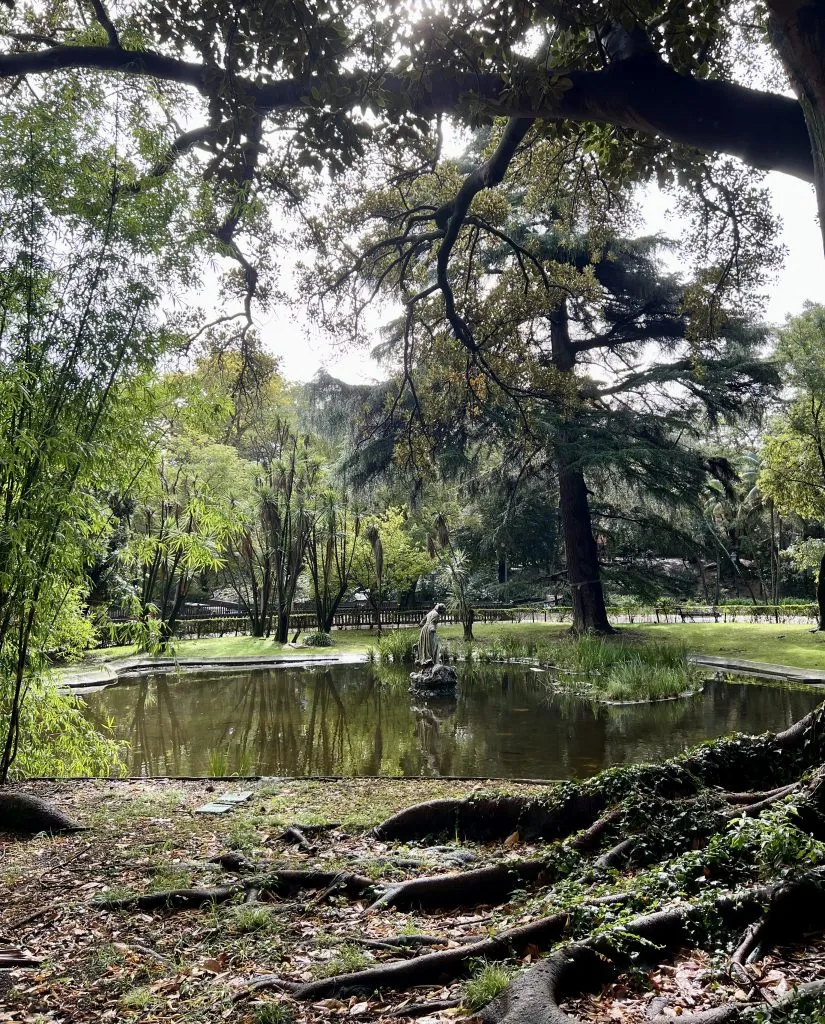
(600, 668)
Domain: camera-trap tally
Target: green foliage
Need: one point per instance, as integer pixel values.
(56, 738)
(398, 645)
(773, 843)
(485, 983)
(349, 958)
(72, 632)
(318, 639)
(218, 764)
(638, 680)
(807, 1008)
(249, 918)
(274, 1013)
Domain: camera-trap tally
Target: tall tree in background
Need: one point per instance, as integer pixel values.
(186, 515)
(335, 526)
(571, 342)
(793, 471)
(287, 473)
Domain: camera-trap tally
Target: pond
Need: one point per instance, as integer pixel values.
(360, 720)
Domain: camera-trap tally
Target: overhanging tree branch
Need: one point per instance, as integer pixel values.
(639, 93)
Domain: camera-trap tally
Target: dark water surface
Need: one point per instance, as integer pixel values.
(361, 720)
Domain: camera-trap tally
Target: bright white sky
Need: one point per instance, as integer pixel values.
(303, 350)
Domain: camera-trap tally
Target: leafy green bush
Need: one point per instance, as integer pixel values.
(56, 738)
(72, 632)
(318, 639)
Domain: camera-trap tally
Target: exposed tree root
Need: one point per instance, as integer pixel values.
(581, 966)
(462, 888)
(732, 1012)
(270, 884)
(429, 968)
(27, 815)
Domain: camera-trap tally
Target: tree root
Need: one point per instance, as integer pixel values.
(581, 966)
(429, 968)
(269, 884)
(489, 818)
(731, 1013)
(489, 885)
(27, 815)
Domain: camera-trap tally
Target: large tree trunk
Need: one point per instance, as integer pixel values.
(581, 552)
(583, 573)
(820, 593)
(797, 31)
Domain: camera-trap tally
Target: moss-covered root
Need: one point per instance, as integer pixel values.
(27, 815)
(583, 966)
(722, 765)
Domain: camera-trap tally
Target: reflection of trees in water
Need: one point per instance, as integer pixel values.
(352, 720)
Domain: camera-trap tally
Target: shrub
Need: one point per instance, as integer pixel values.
(56, 738)
(318, 639)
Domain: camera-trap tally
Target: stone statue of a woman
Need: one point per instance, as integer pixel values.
(428, 653)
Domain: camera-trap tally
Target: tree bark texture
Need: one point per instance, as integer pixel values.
(581, 551)
(797, 31)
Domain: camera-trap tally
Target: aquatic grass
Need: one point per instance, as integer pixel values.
(218, 764)
(636, 680)
(398, 645)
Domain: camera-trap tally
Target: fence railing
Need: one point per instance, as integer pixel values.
(194, 624)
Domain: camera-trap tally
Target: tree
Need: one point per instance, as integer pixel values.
(288, 472)
(793, 473)
(648, 91)
(602, 362)
(388, 560)
(335, 526)
(186, 514)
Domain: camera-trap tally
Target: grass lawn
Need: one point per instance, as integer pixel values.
(780, 645)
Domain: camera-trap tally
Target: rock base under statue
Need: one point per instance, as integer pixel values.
(435, 679)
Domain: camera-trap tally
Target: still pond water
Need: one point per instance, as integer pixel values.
(361, 720)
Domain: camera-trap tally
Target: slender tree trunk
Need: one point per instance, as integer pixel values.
(820, 593)
(282, 628)
(583, 572)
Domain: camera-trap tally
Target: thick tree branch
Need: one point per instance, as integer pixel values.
(640, 93)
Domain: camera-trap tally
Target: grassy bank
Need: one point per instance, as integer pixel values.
(780, 645)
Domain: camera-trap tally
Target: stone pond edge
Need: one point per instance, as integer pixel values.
(81, 679)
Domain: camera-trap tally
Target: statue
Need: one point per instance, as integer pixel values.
(428, 651)
(433, 675)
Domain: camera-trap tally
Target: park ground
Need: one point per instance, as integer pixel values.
(155, 965)
(192, 965)
(793, 645)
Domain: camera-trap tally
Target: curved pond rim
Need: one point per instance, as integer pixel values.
(504, 780)
(96, 677)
